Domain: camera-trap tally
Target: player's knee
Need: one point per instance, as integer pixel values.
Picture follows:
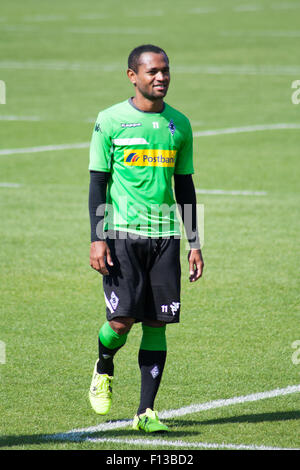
(121, 325)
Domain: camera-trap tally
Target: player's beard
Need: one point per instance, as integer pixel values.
(152, 96)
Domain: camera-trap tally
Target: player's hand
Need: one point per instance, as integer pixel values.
(196, 264)
(99, 253)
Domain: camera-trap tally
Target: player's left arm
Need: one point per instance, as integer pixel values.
(185, 195)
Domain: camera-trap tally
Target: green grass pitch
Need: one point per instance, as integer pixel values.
(232, 64)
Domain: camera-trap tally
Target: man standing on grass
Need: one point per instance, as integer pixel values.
(137, 147)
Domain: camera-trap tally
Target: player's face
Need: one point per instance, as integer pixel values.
(153, 76)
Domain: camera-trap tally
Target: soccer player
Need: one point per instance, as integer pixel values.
(137, 147)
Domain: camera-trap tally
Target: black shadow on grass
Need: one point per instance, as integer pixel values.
(78, 437)
(249, 418)
(40, 439)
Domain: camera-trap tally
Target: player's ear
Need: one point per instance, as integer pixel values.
(132, 76)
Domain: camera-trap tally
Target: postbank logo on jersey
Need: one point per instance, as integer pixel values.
(149, 157)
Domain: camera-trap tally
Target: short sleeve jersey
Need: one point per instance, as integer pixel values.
(142, 151)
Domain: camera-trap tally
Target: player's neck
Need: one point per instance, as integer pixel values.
(148, 106)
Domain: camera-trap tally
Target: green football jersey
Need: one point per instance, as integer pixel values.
(142, 151)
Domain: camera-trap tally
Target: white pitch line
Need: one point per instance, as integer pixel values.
(230, 130)
(183, 444)
(59, 66)
(280, 34)
(230, 401)
(116, 31)
(77, 435)
(237, 69)
(20, 118)
(285, 6)
(247, 8)
(198, 191)
(231, 193)
(199, 69)
(10, 185)
(44, 148)
(254, 128)
(19, 28)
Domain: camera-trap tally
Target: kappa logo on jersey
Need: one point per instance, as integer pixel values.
(97, 128)
(150, 157)
(131, 124)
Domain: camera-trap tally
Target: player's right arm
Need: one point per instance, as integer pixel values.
(100, 163)
(186, 199)
(99, 251)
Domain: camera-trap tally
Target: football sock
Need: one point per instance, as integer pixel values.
(109, 342)
(152, 358)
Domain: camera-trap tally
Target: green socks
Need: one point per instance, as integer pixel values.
(152, 358)
(109, 342)
(154, 339)
(110, 339)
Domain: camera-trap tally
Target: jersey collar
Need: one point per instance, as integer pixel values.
(130, 101)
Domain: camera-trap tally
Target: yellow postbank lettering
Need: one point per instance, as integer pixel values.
(149, 157)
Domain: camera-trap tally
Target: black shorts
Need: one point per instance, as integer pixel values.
(144, 282)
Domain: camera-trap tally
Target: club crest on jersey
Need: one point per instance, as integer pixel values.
(172, 127)
(150, 157)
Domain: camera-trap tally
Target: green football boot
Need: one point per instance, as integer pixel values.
(100, 393)
(149, 422)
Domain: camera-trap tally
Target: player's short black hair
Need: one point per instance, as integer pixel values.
(133, 59)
